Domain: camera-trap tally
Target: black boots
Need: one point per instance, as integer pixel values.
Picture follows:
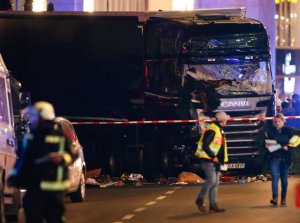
(274, 200)
(283, 201)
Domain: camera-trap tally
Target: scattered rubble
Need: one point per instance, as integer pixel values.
(135, 179)
(132, 178)
(93, 173)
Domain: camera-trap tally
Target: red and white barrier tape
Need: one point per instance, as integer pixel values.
(141, 122)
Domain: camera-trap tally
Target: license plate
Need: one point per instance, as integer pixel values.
(236, 165)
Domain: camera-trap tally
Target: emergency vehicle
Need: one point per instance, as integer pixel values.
(10, 198)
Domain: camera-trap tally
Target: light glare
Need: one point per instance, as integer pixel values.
(289, 84)
(88, 5)
(39, 5)
(182, 5)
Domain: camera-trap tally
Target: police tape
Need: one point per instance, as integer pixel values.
(141, 122)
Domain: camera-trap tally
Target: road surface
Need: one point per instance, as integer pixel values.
(166, 204)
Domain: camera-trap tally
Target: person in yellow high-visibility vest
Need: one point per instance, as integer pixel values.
(212, 151)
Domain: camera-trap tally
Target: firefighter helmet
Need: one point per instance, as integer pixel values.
(45, 110)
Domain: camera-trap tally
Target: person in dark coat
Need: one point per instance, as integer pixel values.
(42, 168)
(288, 110)
(296, 103)
(278, 139)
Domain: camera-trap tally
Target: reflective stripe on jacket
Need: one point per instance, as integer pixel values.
(59, 179)
(215, 145)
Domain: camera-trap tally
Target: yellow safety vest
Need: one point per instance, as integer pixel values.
(215, 145)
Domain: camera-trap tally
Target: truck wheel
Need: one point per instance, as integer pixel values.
(141, 159)
(115, 164)
(166, 163)
(79, 195)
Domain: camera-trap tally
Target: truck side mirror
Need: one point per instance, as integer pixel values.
(25, 99)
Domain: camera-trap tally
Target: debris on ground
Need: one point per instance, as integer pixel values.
(120, 184)
(245, 179)
(91, 181)
(135, 179)
(110, 184)
(93, 173)
(227, 179)
(189, 177)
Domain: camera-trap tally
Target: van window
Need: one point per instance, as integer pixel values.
(3, 102)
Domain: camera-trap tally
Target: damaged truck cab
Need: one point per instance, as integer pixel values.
(205, 63)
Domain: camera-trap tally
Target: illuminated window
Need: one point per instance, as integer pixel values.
(39, 5)
(88, 5)
(289, 84)
(183, 5)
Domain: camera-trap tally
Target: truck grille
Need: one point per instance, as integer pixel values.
(242, 137)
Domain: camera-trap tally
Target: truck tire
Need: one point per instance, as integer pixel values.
(141, 159)
(79, 194)
(166, 164)
(115, 164)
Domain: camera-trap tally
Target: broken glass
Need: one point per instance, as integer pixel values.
(235, 79)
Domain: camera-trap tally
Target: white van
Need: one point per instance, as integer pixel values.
(10, 199)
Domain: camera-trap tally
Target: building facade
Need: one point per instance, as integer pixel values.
(287, 47)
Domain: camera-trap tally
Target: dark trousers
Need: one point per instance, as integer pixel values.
(41, 205)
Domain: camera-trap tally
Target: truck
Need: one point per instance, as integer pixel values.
(10, 198)
(165, 65)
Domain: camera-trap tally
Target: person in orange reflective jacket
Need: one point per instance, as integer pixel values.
(212, 151)
(42, 168)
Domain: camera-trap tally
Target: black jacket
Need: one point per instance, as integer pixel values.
(282, 136)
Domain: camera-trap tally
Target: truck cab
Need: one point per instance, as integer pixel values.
(208, 62)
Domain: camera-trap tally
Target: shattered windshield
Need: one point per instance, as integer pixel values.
(247, 78)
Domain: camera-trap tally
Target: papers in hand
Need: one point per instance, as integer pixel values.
(224, 167)
(272, 145)
(273, 148)
(270, 141)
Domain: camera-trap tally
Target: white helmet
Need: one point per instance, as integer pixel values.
(45, 110)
